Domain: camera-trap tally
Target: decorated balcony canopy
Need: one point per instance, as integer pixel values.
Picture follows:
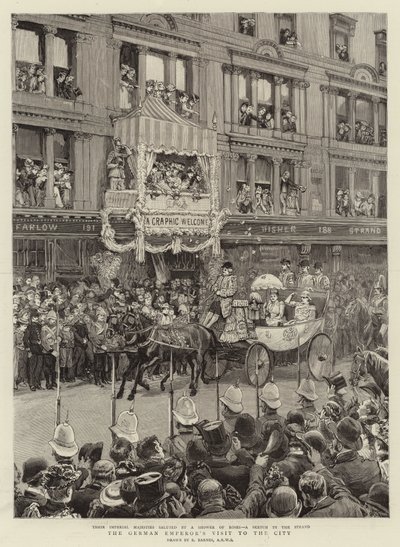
(169, 187)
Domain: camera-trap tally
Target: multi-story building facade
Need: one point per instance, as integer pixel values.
(285, 114)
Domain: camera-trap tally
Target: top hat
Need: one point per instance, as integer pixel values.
(285, 261)
(245, 431)
(304, 262)
(215, 437)
(318, 265)
(150, 487)
(378, 497)
(349, 433)
(227, 265)
(185, 411)
(232, 398)
(270, 395)
(63, 442)
(337, 381)
(126, 426)
(110, 496)
(283, 503)
(32, 468)
(307, 389)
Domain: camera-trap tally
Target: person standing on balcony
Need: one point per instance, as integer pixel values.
(116, 164)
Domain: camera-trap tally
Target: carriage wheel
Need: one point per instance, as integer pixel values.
(258, 356)
(210, 366)
(320, 357)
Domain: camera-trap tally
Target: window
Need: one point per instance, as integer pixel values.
(243, 198)
(263, 187)
(286, 29)
(342, 29)
(18, 253)
(286, 95)
(68, 255)
(265, 114)
(382, 113)
(128, 77)
(381, 52)
(263, 171)
(129, 56)
(364, 127)
(244, 87)
(30, 254)
(342, 118)
(155, 67)
(28, 46)
(342, 191)
(62, 148)
(61, 53)
(382, 195)
(29, 143)
(247, 24)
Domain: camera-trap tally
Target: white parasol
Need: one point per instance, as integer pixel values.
(266, 281)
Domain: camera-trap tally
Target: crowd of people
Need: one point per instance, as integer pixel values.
(31, 180)
(31, 78)
(288, 37)
(309, 463)
(78, 324)
(364, 132)
(172, 178)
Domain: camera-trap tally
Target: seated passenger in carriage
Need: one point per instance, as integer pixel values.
(274, 309)
(303, 310)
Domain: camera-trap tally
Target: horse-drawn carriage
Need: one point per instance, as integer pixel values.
(259, 353)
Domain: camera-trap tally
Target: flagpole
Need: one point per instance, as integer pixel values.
(171, 397)
(58, 398)
(113, 398)
(217, 378)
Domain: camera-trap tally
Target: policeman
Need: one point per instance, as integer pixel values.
(185, 417)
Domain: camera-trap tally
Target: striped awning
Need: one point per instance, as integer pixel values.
(162, 129)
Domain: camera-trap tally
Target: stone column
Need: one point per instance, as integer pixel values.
(296, 102)
(325, 108)
(227, 70)
(14, 25)
(304, 181)
(233, 185)
(303, 107)
(203, 91)
(79, 171)
(352, 174)
(375, 102)
(332, 193)
(254, 77)
(352, 114)
(49, 160)
(333, 93)
(276, 183)
(251, 172)
(170, 76)
(375, 175)
(115, 70)
(225, 183)
(235, 98)
(14, 156)
(49, 32)
(142, 50)
(83, 63)
(336, 256)
(278, 81)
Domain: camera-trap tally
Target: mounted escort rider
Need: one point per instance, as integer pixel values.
(224, 289)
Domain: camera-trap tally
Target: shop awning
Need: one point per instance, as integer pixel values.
(161, 128)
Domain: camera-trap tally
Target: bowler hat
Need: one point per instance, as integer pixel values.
(245, 431)
(285, 261)
(215, 437)
(349, 433)
(304, 262)
(32, 468)
(318, 265)
(378, 497)
(283, 503)
(228, 265)
(150, 487)
(313, 439)
(196, 451)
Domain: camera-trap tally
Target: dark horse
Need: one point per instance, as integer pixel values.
(190, 342)
(374, 363)
(137, 329)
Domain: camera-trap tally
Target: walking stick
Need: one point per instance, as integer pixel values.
(58, 398)
(113, 397)
(217, 379)
(171, 398)
(298, 361)
(257, 388)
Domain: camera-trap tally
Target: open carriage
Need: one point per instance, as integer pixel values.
(259, 353)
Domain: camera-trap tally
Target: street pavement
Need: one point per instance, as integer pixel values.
(89, 408)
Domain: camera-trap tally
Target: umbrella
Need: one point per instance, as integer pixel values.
(266, 281)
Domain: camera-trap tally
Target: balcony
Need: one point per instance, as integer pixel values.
(126, 199)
